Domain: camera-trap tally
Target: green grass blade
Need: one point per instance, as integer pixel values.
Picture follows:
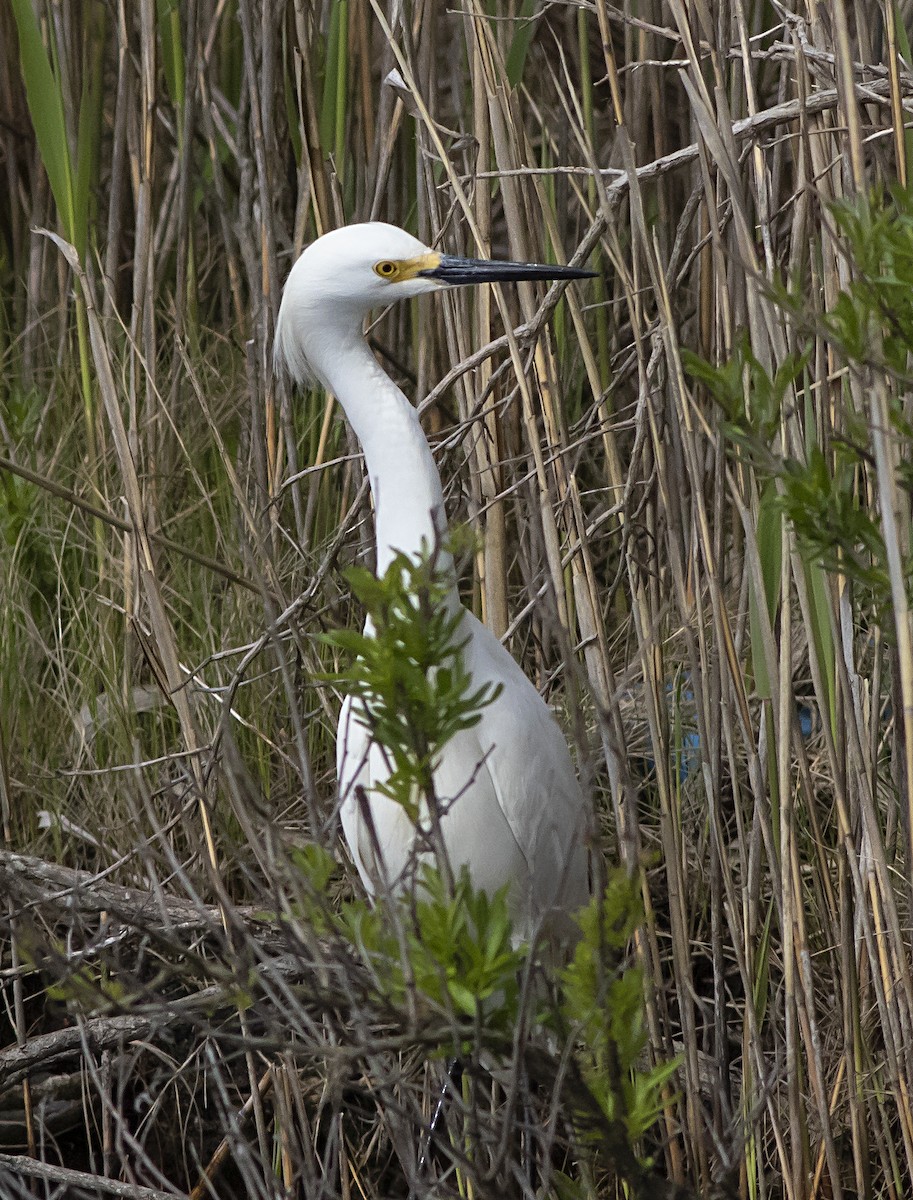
(45, 103)
(770, 553)
(519, 46)
(169, 23)
(822, 634)
(334, 72)
(88, 133)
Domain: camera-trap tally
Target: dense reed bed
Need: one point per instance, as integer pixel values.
(706, 572)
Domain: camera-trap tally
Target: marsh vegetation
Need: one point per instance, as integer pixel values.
(690, 483)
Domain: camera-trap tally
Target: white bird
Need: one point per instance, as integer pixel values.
(512, 808)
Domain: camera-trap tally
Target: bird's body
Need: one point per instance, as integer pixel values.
(511, 808)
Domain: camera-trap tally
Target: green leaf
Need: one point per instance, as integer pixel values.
(520, 43)
(770, 552)
(45, 102)
(169, 23)
(464, 998)
(88, 132)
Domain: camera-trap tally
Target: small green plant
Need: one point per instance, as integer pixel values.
(826, 491)
(461, 954)
(602, 993)
(751, 399)
(407, 672)
(872, 320)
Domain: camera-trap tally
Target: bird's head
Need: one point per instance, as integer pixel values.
(341, 276)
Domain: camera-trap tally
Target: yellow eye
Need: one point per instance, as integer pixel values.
(386, 269)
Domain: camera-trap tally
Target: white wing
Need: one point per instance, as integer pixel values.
(533, 779)
(512, 809)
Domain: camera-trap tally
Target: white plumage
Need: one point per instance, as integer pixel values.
(512, 808)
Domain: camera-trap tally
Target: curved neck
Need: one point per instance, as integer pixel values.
(405, 484)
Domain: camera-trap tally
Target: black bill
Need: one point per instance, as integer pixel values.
(456, 271)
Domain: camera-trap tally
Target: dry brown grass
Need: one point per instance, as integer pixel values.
(172, 527)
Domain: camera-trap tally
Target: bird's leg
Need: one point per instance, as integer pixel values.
(528, 1155)
(451, 1080)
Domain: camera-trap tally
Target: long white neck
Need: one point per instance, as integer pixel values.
(408, 499)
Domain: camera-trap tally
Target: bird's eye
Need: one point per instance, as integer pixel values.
(385, 269)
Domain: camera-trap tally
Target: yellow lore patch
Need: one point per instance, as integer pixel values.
(396, 270)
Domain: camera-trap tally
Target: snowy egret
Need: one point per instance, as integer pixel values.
(512, 809)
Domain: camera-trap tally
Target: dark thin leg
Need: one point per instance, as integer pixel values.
(528, 1140)
(452, 1079)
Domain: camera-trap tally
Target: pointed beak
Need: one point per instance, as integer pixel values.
(457, 272)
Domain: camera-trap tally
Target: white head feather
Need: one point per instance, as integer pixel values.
(335, 284)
